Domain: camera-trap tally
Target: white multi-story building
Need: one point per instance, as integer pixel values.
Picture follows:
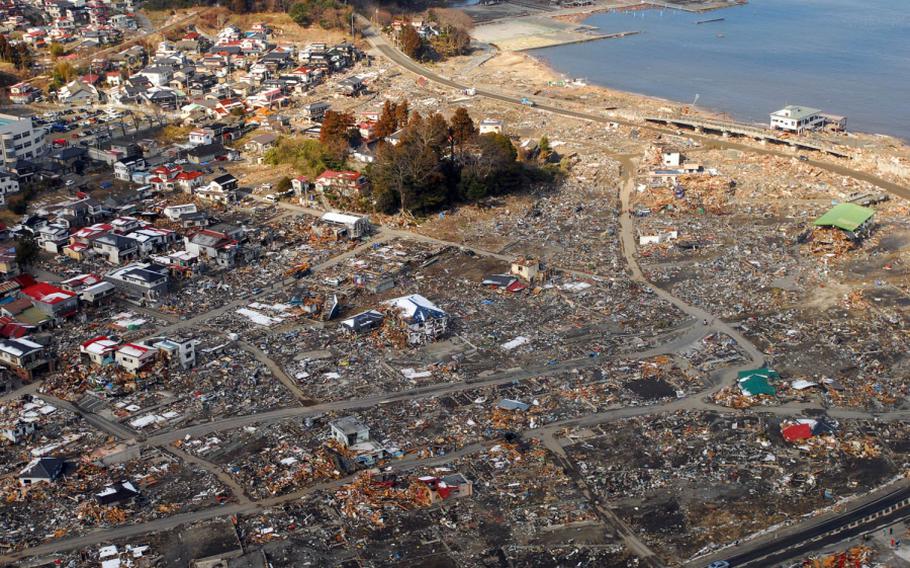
(796, 119)
(20, 138)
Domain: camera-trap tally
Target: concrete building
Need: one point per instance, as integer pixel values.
(21, 140)
(349, 431)
(797, 119)
(350, 226)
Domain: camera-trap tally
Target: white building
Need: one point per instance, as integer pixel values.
(20, 138)
(797, 119)
(349, 431)
(134, 356)
(8, 184)
(353, 226)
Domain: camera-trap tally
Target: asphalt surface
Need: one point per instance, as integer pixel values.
(802, 542)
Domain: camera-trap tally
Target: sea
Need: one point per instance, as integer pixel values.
(846, 57)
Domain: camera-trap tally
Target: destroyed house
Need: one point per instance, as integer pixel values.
(450, 486)
(178, 349)
(213, 245)
(116, 493)
(503, 281)
(422, 318)
(96, 292)
(349, 431)
(853, 219)
(40, 470)
(364, 321)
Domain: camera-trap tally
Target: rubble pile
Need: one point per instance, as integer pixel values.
(695, 478)
(82, 499)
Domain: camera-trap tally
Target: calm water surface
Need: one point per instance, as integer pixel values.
(848, 57)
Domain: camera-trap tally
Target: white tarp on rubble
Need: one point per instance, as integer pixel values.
(575, 286)
(517, 342)
(147, 420)
(415, 374)
(259, 318)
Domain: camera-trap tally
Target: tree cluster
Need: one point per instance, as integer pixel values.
(337, 134)
(437, 162)
(452, 41)
(18, 54)
(392, 117)
(308, 157)
(329, 14)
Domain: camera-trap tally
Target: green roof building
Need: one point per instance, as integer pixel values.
(847, 217)
(755, 382)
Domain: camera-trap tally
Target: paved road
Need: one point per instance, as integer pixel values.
(867, 516)
(110, 427)
(277, 372)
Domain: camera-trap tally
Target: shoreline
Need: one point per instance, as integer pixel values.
(575, 23)
(704, 112)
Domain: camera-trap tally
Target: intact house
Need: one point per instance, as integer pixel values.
(351, 86)
(116, 249)
(100, 350)
(42, 470)
(201, 136)
(140, 281)
(222, 189)
(24, 357)
(315, 111)
(51, 300)
(261, 143)
(9, 183)
(151, 239)
(344, 183)
(187, 181)
(204, 153)
(133, 357)
(124, 169)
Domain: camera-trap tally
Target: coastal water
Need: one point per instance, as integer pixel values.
(846, 57)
